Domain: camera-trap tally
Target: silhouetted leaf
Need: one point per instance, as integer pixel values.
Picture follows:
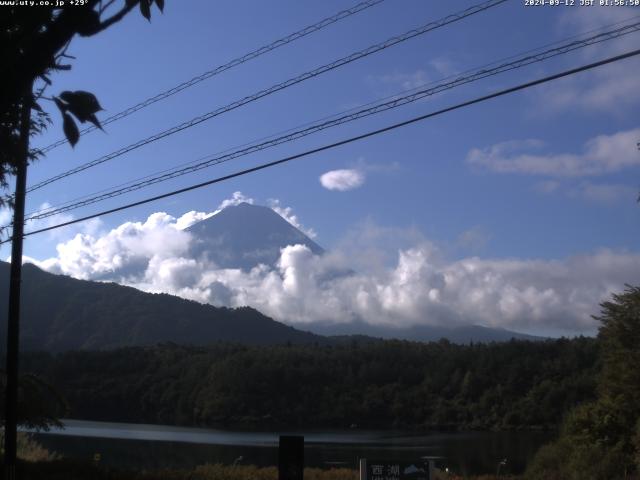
(160, 4)
(82, 104)
(93, 119)
(70, 129)
(131, 3)
(145, 9)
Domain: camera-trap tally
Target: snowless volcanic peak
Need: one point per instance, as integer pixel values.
(243, 236)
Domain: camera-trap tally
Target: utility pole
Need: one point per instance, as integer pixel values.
(13, 326)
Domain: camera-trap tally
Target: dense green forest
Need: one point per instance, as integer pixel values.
(518, 384)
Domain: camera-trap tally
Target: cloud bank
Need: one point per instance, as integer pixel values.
(413, 284)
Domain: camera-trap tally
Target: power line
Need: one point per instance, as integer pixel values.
(323, 125)
(591, 40)
(277, 87)
(227, 66)
(263, 166)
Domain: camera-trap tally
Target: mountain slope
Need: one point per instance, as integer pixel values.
(244, 235)
(61, 313)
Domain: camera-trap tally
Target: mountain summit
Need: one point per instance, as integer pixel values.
(245, 235)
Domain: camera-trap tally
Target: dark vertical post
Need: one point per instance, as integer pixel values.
(291, 457)
(13, 326)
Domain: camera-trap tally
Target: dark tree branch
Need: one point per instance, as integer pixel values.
(106, 6)
(37, 56)
(116, 17)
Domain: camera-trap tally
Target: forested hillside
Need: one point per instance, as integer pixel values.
(387, 384)
(600, 439)
(61, 313)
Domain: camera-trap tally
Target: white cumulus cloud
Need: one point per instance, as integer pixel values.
(289, 216)
(152, 246)
(124, 249)
(189, 218)
(236, 199)
(342, 180)
(366, 279)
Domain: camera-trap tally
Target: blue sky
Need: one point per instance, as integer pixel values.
(545, 175)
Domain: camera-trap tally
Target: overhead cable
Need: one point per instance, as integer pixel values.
(350, 117)
(306, 153)
(277, 87)
(227, 66)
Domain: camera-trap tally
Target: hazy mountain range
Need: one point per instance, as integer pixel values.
(423, 333)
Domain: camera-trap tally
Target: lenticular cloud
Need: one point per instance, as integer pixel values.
(342, 180)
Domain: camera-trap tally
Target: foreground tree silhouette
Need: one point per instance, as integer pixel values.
(619, 384)
(601, 440)
(33, 45)
(40, 405)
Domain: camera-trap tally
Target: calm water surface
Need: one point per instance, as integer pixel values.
(160, 446)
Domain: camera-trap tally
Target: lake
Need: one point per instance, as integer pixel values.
(161, 446)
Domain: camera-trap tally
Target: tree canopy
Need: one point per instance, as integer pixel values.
(383, 384)
(33, 45)
(601, 439)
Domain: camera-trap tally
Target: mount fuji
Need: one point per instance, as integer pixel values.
(243, 236)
